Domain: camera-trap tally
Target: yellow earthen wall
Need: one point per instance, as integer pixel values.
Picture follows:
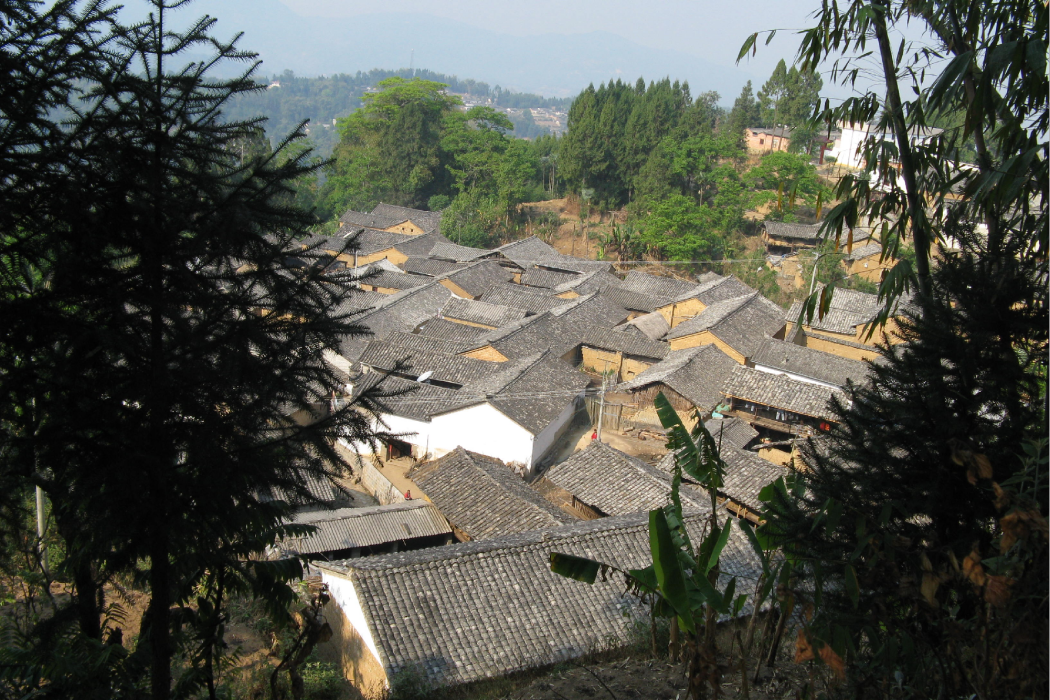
(347, 649)
(456, 289)
(406, 227)
(469, 323)
(487, 353)
(594, 359)
(847, 351)
(706, 338)
(631, 368)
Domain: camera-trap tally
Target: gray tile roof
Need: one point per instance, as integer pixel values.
(634, 301)
(486, 609)
(482, 497)
(359, 218)
(530, 299)
(392, 280)
(426, 220)
(615, 483)
(348, 528)
(528, 251)
(696, 373)
(665, 289)
(522, 338)
(479, 277)
(863, 251)
(492, 315)
(800, 232)
(713, 291)
(532, 391)
(410, 399)
(628, 343)
(546, 279)
(731, 431)
(531, 252)
(403, 311)
(742, 323)
(589, 282)
(781, 392)
(447, 250)
(590, 311)
(441, 329)
(847, 310)
(431, 267)
(454, 369)
(745, 475)
(420, 245)
(425, 342)
(806, 362)
(652, 325)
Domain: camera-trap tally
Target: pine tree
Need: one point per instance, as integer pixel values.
(155, 338)
(897, 524)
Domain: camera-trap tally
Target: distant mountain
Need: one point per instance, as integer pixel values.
(550, 64)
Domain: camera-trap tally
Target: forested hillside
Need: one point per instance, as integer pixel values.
(674, 165)
(292, 99)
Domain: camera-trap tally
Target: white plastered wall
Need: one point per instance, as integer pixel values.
(344, 594)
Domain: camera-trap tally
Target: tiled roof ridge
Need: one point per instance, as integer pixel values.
(527, 364)
(369, 510)
(506, 545)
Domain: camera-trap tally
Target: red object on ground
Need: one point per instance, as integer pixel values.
(594, 435)
(408, 495)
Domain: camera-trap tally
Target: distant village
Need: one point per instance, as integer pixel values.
(522, 385)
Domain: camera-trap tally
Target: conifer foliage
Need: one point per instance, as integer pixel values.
(155, 339)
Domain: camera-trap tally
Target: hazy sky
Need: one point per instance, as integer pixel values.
(710, 30)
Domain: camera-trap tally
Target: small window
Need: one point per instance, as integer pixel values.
(761, 141)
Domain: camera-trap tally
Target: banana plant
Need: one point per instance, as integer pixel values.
(682, 581)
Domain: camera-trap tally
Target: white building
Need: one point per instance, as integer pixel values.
(848, 149)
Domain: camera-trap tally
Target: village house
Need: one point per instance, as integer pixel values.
(482, 498)
(599, 481)
(621, 355)
(808, 365)
(443, 329)
(782, 237)
(474, 280)
(778, 403)
(714, 289)
(532, 300)
(440, 369)
(866, 262)
(514, 413)
(488, 608)
(690, 378)
(848, 148)
(764, 139)
(737, 326)
(403, 311)
(844, 329)
(453, 252)
(652, 325)
(664, 289)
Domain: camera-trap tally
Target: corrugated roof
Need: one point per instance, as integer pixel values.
(781, 392)
(485, 609)
(348, 528)
(482, 496)
(615, 483)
